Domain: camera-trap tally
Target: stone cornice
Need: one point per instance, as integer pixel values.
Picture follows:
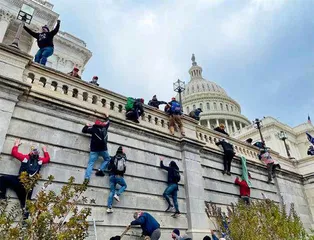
(6, 15)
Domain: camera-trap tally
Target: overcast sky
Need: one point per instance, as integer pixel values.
(260, 51)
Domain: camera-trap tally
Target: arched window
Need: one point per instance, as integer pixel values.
(198, 88)
(65, 89)
(215, 106)
(227, 107)
(203, 87)
(43, 81)
(192, 89)
(187, 110)
(54, 86)
(194, 107)
(201, 105)
(231, 109)
(94, 100)
(221, 106)
(208, 106)
(31, 77)
(103, 102)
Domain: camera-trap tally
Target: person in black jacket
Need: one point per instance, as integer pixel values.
(45, 42)
(98, 146)
(136, 111)
(228, 155)
(173, 188)
(221, 129)
(117, 167)
(155, 103)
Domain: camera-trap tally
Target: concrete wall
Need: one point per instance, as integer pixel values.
(41, 116)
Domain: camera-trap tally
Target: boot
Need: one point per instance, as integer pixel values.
(182, 132)
(171, 130)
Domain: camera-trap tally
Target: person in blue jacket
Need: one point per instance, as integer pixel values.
(148, 223)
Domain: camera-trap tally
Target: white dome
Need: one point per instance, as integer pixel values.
(201, 85)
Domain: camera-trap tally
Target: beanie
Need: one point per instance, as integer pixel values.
(120, 150)
(176, 231)
(45, 27)
(206, 238)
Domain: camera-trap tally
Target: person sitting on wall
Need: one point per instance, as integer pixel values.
(148, 223)
(221, 129)
(196, 114)
(98, 147)
(172, 189)
(31, 164)
(245, 191)
(74, 73)
(310, 151)
(117, 168)
(94, 81)
(228, 155)
(269, 162)
(249, 141)
(44, 42)
(175, 112)
(134, 109)
(155, 103)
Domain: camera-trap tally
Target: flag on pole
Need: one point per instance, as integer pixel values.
(310, 138)
(309, 119)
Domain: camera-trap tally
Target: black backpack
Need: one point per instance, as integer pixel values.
(31, 166)
(176, 175)
(102, 135)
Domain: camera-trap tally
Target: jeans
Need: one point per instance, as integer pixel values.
(113, 181)
(228, 156)
(155, 235)
(93, 156)
(172, 190)
(13, 182)
(245, 199)
(271, 171)
(43, 54)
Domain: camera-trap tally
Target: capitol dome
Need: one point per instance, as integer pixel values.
(217, 106)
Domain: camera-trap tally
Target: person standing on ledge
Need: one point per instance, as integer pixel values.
(148, 223)
(173, 187)
(175, 113)
(155, 103)
(196, 114)
(228, 155)
(74, 73)
(44, 42)
(98, 147)
(31, 164)
(94, 81)
(221, 129)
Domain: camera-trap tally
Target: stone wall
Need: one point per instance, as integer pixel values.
(37, 110)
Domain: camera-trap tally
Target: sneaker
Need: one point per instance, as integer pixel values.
(176, 214)
(109, 210)
(223, 172)
(100, 173)
(229, 173)
(136, 121)
(169, 209)
(116, 197)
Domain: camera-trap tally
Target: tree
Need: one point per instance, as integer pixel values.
(261, 220)
(52, 216)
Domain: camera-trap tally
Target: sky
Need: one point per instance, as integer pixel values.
(260, 51)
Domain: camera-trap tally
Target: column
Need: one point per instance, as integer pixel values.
(5, 19)
(217, 122)
(226, 125)
(241, 126)
(198, 223)
(234, 125)
(208, 123)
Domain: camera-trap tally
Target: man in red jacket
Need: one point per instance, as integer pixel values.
(245, 190)
(30, 163)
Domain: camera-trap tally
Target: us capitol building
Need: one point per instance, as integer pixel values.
(219, 108)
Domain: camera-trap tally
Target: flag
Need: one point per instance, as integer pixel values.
(309, 119)
(310, 138)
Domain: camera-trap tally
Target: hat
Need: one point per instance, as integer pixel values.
(34, 150)
(221, 125)
(76, 69)
(176, 231)
(142, 100)
(120, 150)
(46, 27)
(200, 109)
(173, 98)
(249, 140)
(207, 238)
(95, 77)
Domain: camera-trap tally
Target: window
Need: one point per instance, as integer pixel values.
(194, 107)
(208, 106)
(231, 109)
(65, 89)
(227, 107)
(215, 106)
(75, 93)
(192, 89)
(201, 105)
(94, 99)
(187, 110)
(198, 88)
(85, 96)
(221, 106)
(54, 86)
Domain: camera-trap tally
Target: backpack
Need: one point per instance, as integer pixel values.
(129, 104)
(176, 175)
(175, 107)
(31, 166)
(259, 144)
(102, 137)
(119, 163)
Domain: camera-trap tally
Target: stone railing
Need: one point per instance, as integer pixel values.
(56, 86)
